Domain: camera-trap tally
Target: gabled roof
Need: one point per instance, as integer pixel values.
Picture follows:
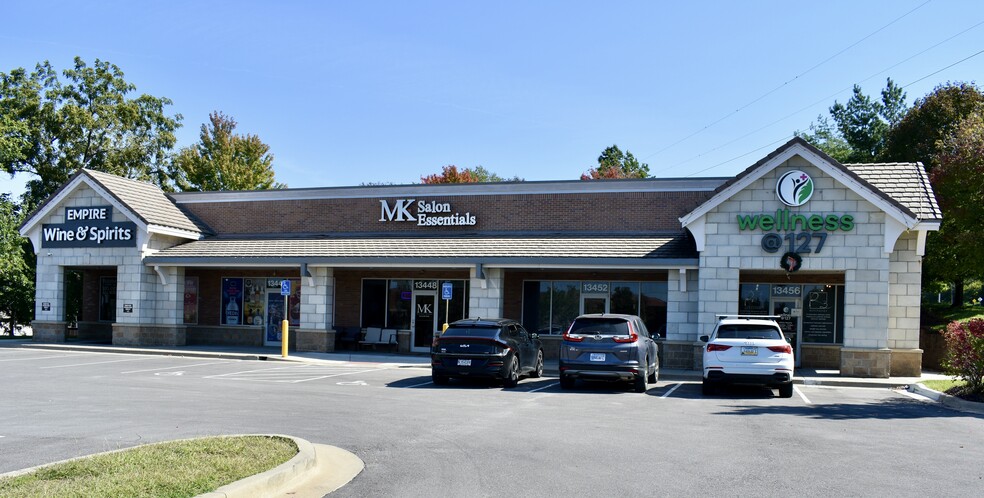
(904, 194)
(147, 203)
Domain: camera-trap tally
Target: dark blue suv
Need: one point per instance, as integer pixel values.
(609, 347)
(490, 347)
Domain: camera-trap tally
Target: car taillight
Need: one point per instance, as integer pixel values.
(573, 338)
(632, 337)
(717, 347)
(786, 348)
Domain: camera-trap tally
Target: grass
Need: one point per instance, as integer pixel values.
(172, 469)
(938, 316)
(943, 385)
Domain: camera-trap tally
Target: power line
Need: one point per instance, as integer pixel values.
(828, 59)
(825, 99)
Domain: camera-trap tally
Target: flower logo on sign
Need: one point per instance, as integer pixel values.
(794, 188)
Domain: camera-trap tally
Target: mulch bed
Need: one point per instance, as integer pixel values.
(963, 392)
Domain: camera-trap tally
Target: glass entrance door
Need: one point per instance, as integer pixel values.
(274, 317)
(424, 324)
(789, 312)
(594, 303)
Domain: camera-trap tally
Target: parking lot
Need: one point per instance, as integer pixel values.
(417, 438)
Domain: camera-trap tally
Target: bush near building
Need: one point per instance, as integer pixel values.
(965, 353)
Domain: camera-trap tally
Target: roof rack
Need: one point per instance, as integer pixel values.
(749, 317)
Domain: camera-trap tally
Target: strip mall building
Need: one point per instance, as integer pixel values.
(834, 249)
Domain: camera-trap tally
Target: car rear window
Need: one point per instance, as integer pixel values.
(749, 331)
(459, 331)
(600, 326)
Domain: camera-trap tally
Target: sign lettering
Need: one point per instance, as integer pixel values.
(89, 227)
(427, 214)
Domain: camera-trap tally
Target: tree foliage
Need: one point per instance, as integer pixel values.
(931, 120)
(223, 160)
(614, 164)
(478, 174)
(51, 127)
(860, 127)
(955, 251)
(16, 269)
(965, 352)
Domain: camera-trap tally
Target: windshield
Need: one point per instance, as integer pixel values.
(600, 326)
(748, 331)
(488, 332)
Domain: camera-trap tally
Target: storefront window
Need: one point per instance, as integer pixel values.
(191, 300)
(819, 314)
(107, 299)
(374, 303)
(232, 301)
(653, 305)
(254, 301)
(565, 304)
(625, 298)
(458, 305)
(398, 304)
(753, 299)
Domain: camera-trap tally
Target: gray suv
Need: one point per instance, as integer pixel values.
(608, 347)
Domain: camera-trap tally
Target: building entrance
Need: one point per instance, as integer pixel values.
(594, 303)
(424, 323)
(787, 306)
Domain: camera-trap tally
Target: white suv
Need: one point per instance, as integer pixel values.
(748, 349)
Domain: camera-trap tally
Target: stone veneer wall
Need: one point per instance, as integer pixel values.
(317, 311)
(859, 253)
(485, 294)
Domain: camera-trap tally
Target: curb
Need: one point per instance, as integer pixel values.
(156, 352)
(277, 480)
(945, 400)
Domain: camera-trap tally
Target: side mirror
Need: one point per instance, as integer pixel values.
(534, 335)
(704, 338)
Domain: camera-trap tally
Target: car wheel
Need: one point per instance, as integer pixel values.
(566, 382)
(512, 373)
(707, 389)
(654, 375)
(639, 384)
(786, 390)
(538, 370)
(439, 379)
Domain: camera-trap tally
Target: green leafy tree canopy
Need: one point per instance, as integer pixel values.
(52, 127)
(614, 164)
(16, 269)
(223, 160)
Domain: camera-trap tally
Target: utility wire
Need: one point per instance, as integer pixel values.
(826, 99)
(828, 59)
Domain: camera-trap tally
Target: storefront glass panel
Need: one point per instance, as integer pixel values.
(398, 304)
(550, 307)
(191, 300)
(753, 299)
(457, 307)
(374, 303)
(625, 298)
(652, 302)
(819, 314)
(565, 305)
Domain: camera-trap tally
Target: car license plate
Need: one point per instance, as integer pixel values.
(749, 351)
(597, 357)
(464, 363)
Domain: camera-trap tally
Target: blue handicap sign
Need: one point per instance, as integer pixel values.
(285, 287)
(446, 290)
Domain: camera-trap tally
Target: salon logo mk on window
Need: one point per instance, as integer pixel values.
(424, 213)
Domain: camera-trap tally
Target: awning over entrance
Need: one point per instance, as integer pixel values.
(674, 250)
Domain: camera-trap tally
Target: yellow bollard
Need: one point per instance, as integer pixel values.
(283, 338)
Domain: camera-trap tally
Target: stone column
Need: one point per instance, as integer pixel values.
(317, 311)
(485, 294)
(49, 305)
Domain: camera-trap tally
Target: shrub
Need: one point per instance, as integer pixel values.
(965, 352)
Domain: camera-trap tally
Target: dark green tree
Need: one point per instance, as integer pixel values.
(16, 269)
(954, 252)
(860, 127)
(223, 160)
(932, 119)
(613, 164)
(51, 127)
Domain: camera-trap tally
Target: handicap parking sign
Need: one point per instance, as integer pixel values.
(446, 291)
(285, 287)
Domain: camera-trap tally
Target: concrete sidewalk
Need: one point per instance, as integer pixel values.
(806, 376)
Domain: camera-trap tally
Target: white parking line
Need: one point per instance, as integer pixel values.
(544, 387)
(667, 393)
(327, 376)
(805, 399)
(92, 363)
(171, 368)
(37, 358)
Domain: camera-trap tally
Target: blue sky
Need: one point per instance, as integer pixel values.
(347, 93)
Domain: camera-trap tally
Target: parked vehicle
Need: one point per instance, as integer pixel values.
(488, 347)
(748, 349)
(608, 347)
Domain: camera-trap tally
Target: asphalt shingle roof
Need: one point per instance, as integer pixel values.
(907, 183)
(147, 202)
(616, 248)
